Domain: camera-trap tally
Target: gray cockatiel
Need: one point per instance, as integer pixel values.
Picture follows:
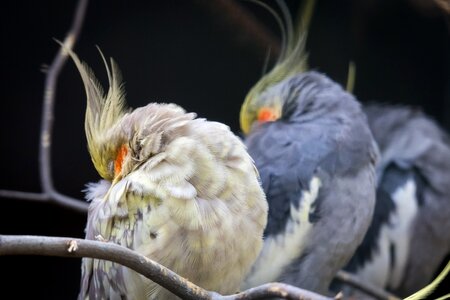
(410, 233)
(179, 190)
(315, 153)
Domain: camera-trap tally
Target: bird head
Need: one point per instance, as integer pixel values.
(107, 143)
(119, 139)
(261, 104)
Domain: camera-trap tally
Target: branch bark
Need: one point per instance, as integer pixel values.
(275, 289)
(70, 247)
(49, 193)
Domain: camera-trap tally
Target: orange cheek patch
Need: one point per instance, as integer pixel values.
(123, 151)
(267, 114)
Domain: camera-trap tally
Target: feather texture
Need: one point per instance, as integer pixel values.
(325, 135)
(292, 60)
(410, 231)
(186, 194)
(318, 132)
(102, 112)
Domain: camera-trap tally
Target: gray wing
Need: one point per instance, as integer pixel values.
(410, 233)
(285, 169)
(382, 256)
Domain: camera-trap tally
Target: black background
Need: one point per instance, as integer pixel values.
(182, 52)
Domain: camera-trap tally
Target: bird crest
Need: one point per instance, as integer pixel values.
(293, 58)
(103, 111)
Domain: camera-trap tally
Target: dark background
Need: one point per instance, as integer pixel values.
(182, 52)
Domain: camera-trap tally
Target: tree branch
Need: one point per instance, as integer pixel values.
(23, 195)
(275, 289)
(70, 247)
(353, 281)
(49, 193)
(49, 98)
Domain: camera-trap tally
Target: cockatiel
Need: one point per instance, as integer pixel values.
(315, 153)
(410, 234)
(179, 190)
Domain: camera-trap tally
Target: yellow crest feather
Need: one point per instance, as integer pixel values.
(102, 111)
(292, 60)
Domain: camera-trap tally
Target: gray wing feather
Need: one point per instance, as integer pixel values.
(412, 141)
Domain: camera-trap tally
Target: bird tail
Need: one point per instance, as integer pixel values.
(426, 291)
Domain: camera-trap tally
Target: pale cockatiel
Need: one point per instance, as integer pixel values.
(410, 233)
(316, 155)
(179, 190)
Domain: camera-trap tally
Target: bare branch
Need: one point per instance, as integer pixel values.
(48, 110)
(49, 99)
(23, 195)
(53, 197)
(275, 289)
(49, 193)
(71, 247)
(365, 287)
(69, 202)
(55, 246)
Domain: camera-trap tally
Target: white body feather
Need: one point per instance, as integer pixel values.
(290, 243)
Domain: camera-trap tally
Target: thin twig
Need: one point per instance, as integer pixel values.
(23, 195)
(49, 193)
(71, 247)
(365, 287)
(48, 110)
(51, 197)
(49, 98)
